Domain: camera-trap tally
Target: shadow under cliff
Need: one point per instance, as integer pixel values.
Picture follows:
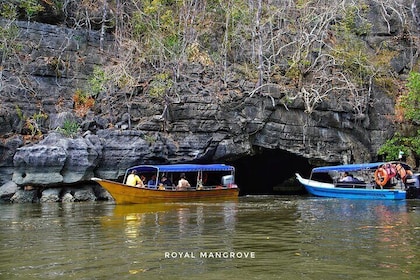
(270, 172)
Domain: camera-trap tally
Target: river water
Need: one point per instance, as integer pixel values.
(256, 237)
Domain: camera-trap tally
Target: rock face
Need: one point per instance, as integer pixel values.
(8, 190)
(201, 124)
(327, 135)
(57, 160)
(7, 151)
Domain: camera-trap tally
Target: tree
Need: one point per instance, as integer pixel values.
(410, 102)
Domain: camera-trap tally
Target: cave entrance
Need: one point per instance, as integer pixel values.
(270, 172)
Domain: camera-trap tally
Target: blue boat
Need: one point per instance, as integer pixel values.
(380, 180)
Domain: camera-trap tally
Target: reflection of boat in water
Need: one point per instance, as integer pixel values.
(207, 182)
(129, 209)
(133, 215)
(381, 180)
(159, 219)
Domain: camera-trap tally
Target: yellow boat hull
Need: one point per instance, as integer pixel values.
(124, 194)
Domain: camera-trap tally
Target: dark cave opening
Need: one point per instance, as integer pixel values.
(270, 172)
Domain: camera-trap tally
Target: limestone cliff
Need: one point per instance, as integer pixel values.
(204, 119)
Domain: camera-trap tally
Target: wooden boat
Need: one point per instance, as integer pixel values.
(380, 180)
(207, 182)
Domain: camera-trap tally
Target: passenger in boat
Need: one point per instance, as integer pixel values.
(347, 177)
(134, 180)
(152, 182)
(166, 182)
(183, 184)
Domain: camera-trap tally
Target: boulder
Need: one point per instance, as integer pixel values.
(25, 196)
(8, 190)
(57, 159)
(67, 197)
(84, 194)
(50, 195)
(8, 147)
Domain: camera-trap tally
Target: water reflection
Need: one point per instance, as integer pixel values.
(172, 219)
(292, 238)
(375, 235)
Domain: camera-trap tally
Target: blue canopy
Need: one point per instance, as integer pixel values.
(347, 167)
(182, 168)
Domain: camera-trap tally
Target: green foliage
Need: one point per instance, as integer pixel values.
(19, 113)
(98, 80)
(156, 27)
(12, 10)
(355, 59)
(294, 71)
(415, 142)
(249, 71)
(69, 128)
(350, 49)
(410, 106)
(353, 21)
(31, 7)
(150, 139)
(8, 42)
(393, 146)
(300, 4)
(172, 42)
(8, 11)
(410, 103)
(398, 143)
(32, 123)
(138, 26)
(58, 4)
(160, 85)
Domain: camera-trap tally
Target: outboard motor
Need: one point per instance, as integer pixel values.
(413, 186)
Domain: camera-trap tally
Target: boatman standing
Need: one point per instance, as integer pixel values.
(134, 180)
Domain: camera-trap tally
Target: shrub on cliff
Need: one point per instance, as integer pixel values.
(409, 111)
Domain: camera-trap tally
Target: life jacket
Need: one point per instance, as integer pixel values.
(390, 169)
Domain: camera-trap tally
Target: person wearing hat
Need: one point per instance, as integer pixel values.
(134, 180)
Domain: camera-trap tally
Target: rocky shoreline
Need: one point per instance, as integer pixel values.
(11, 193)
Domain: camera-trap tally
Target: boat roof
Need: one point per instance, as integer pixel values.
(347, 167)
(182, 168)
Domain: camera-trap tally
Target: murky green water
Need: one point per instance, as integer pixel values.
(260, 237)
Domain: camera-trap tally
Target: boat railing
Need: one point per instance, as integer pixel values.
(358, 185)
(174, 188)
